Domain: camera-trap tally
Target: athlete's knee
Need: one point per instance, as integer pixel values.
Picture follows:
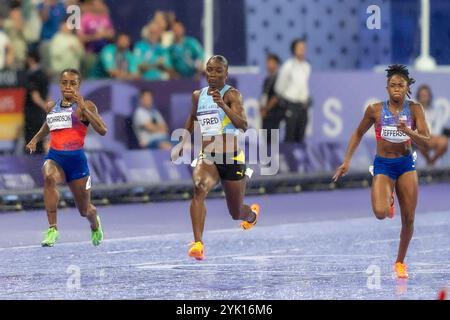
(380, 216)
(50, 180)
(381, 212)
(201, 188)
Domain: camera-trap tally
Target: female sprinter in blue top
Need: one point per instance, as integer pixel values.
(397, 121)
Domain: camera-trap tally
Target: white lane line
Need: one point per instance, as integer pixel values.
(439, 235)
(125, 251)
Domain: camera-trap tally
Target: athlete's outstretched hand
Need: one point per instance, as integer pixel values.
(341, 171)
(218, 98)
(31, 146)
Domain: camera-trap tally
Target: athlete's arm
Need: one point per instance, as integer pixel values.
(233, 108)
(422, 136)
(91, 114)
(177, 150)
(42, 133)
(89, 111)
(190, 121)
(365, 124)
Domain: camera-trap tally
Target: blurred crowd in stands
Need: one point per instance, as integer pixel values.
(95, 46)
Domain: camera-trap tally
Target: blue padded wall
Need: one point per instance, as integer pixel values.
(336, 31)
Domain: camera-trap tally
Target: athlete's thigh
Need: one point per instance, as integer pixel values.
(205, 175)
(382, 188)
(50, 169)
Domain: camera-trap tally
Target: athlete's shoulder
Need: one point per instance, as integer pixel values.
(196, 96)
(233, 91)
(196, 93)
(414, 105)
(375, 106)
(232, 94)
(231, 88)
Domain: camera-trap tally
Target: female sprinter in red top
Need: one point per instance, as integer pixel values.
(67, 122)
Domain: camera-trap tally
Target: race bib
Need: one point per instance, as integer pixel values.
(391, 134)
(59, 120)
(210, 123)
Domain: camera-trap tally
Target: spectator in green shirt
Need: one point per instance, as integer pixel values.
(152, 59)
(186, 53)
(117, 61)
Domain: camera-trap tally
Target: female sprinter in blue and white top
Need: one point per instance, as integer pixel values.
(220, 114)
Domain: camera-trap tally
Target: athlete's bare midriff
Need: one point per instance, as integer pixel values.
(388, 149)
(226, 143)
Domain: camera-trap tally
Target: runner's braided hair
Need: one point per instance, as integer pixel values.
(401, 70)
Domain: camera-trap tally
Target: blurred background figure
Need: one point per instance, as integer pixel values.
(151, 57)
(167, 36)
(52, 13)
(149, 125)
(165, 20)
(6, 49)
(15, 28)
(292, 86)
(438, 143)
(32, 23)
(96, 32)
(117, 61)
(35, 100)
(66, 51)
(271, 111)
(186, 53)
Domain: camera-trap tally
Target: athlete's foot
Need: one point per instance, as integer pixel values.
(197, 250)
(392, 207)
(400, 270)
(97, 235)
(248, 225)
(50, 237)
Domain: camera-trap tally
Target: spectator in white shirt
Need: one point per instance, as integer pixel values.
(292, 88)
(149, 125)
